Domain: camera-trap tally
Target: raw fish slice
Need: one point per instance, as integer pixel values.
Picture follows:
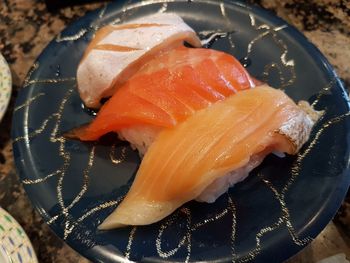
(169, 89)
(118, 51)
(230, 136)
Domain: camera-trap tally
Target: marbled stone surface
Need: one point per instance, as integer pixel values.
(26, 27)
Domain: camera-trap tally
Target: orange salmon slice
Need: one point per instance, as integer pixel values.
(169, 89)
(224, 137)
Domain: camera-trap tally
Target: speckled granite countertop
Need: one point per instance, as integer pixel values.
(26, 27)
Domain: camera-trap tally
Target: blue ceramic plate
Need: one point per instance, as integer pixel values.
(274, 213)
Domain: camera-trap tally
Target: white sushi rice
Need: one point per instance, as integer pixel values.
(140, 137)
(222, 184)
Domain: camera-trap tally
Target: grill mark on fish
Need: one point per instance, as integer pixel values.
(134, 26)
(105, 31)
(118, 48)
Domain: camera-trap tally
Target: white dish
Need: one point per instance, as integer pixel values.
(5, 86)
(15, 245)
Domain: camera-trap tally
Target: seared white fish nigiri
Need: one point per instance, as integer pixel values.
(213, 149)
(117, 51)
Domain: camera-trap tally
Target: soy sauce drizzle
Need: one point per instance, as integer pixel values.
(89, 111)
(246, 62)
(58, 71)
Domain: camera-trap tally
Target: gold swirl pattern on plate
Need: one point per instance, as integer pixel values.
(191, 227)
(96, 25)
(290, 64)
(99, 208)
(209, 35)
(102, 11)
(269, 67)
(82, 32)
(52, 220)
(87, 214)
(49, 81)
(85, 179)
(30, 73)
(210, 220)
(287, 63)
(323, 92)
(280, 197)
(130, 240)
(251, 255)
(114, 158)
(127, 11)
(37, 131)
(252, 42)
(163, 227)
(28, 81)
(69, 226)
(65, 209)
(222, 9)
(232, 208)
(163, 8)
(73, 37)
(28, 102)
(40, 180)
(301, 156)
(186, 239)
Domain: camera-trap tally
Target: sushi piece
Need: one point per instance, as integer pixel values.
(166, 91)
(117, 51)
(212, 150)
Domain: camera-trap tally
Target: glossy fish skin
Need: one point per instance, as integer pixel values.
(169, 89)
(118, 51)
(183, 161)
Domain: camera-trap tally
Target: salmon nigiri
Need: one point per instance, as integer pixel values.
(213, 149)
(167, 90)
(118, 51)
